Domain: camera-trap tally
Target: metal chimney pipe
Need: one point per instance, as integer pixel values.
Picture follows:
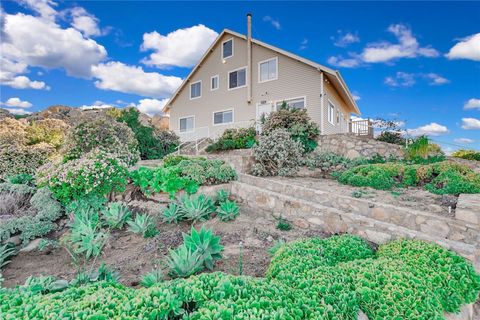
(249, 57)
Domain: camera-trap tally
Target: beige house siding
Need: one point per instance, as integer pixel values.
(340, 105)
(295, 79)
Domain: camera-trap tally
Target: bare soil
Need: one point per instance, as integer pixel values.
(246, 241)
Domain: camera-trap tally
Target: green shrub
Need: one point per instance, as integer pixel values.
(104, 135)
(48, 284)
(467, 154)
(205, 244)
(6, 252)
(103, 273)
(152, 143)
(144, 225)
(391, 137)
(96, 173)
(243, 138)
(421, 150)
(227, 210)
(297, 122)
(116, 214)
(152, 278)
(277, 154)
(21, 178)
(41, 221)
(172, 160)
(283, 225)
(441, 177)
(221, 195)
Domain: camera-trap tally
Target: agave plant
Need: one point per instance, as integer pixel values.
(87, 236)
(184, 262)
(197, 208)
(173, 213)
(222, 195)
(205, 244)
(116, 214)
(103, 273)
(144, 225)
(6, 251)
(152, 278)
(227, 210)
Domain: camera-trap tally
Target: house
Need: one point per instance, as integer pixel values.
(239, 78)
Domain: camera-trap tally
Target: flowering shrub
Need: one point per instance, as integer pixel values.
(297, 122)
(51, 131)
(12, 132)
(17, 158)
(105, 135)
(277, 154)
(97, 173)
(467, 154)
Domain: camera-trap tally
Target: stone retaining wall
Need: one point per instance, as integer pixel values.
(352, 146)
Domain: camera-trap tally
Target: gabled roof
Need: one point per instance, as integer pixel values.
(333, 75)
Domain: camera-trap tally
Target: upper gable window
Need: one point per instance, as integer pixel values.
(227, 49)
(268, 70)
(196, 90)
(237, 78)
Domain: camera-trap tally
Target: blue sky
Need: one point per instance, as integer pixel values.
(412, 61)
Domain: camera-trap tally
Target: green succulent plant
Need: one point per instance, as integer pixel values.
(116, 214)
(183, 262)
(172, 213)
(6, 251)
(205, 243)
(144, 225)
(152, 278)
(227, 210)
(222, 195)
(197, 208)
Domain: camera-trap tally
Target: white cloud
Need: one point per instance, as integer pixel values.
(464, 140)
(274, 22)
(33, 41)
(304, 44)
(16, 102)
(120, 77)
(181, 48)
(85, 22)
(151, 106)
(435, 79)
(472, 104)
(356, 96)
(401, 79)
(343, 39)
(342, 62)
(467, 48)
(18, 111)
(97, 105)
(43, 7)
(384, 51)
(470, 124)
(9, 76)
(432, 129)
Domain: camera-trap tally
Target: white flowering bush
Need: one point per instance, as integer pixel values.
(103, 134)
(96, 173)
(276, 153)
(17, 158)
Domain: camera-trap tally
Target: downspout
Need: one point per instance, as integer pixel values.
(322, 96)
(249, 58)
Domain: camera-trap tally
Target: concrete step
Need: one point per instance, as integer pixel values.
(309, 213)
(432, 224)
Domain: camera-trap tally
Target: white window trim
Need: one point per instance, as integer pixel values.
(186, 117)
(233, 49)
(287, 99)
(246, 78)
(331, 104)
(224, 123)
(259, 73)
(191, 84)
(218, 82)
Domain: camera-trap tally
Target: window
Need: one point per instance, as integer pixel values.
(297, 103)
(331, 112)
(338, 117)
(227, 49)
(267, 70)
(187, 124)
(196, 90)
(223, 117)
(237, 78)
(214, 83)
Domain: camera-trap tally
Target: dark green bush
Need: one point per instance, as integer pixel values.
(243, 138)
(152, 143)
(391, 137)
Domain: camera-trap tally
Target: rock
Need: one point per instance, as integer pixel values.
(15, 240)
(380, 214)
(270, 238)
(435, 228)
(301, 223)
(468, 208)
(377, 237)
(361, 315)
(33, 245)
(315, 220)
